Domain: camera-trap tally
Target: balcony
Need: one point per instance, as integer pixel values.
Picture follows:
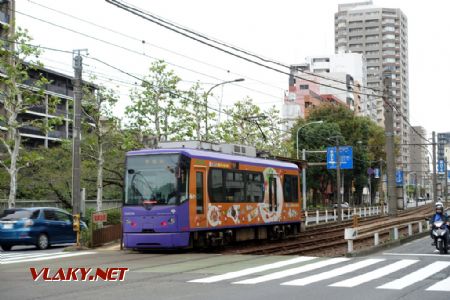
(31, 130)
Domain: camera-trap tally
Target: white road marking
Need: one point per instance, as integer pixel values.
(333, 273)
(236, 274)
(443, 286)
(59, 255)
(416, 276)
(378, 273)
(417, 254)
(293, 271)
(14, 256)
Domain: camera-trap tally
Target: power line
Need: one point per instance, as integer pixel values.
(141, 54)
(161, 22)
(143, 41)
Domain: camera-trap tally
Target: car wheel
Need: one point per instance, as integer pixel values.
(6, 247)
(42, 241)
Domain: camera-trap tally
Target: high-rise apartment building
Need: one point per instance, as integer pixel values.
(381, 35)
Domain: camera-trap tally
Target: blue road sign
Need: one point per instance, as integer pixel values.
(448, 178)
(345, 157)
(441, 166)
(399, 177)
(376, 173)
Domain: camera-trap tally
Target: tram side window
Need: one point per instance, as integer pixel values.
(216, 185)
(255, 188)
(290, 188)
(234, 186)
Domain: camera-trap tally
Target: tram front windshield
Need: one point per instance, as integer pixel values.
(154, 178)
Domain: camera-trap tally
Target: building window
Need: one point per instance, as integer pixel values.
(321, 59)
(372, 37)
(372, 44)
(304, 86)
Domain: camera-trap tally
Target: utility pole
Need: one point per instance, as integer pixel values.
(390, 155)
(434, 168)
(338, 181)
(76, 133)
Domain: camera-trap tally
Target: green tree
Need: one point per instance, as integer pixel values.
(101, 128)
(153, 111)
(20, 93)
(247, 124)
(364, 135)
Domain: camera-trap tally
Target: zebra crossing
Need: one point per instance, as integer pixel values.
(318, 270)
(32, 256)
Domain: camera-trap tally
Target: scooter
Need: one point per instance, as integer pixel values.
(440, 235)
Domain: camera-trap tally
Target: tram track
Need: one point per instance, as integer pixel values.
(319, 240)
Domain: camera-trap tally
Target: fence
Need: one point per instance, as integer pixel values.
(391, 231)
(109, 231)
(325, 216)
(107, 204)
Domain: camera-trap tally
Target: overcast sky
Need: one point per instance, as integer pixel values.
(284, 30)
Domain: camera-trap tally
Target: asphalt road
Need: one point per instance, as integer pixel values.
(411, 271)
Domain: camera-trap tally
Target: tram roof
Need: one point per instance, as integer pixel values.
(218, 156)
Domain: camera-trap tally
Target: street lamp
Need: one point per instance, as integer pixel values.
(304, 157)
(301, 127)
(206, 100)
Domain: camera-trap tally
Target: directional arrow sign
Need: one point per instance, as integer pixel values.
(399, 177)
(345, 157)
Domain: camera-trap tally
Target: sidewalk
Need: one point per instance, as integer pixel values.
(114, 246)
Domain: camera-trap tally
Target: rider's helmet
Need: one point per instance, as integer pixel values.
(439, 207)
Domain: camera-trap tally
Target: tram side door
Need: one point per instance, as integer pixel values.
(200, 191)
(273, 202)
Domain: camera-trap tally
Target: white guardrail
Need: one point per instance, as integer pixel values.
(352, 234)
(325, 216)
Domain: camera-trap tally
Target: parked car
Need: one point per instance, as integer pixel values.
(40, 226)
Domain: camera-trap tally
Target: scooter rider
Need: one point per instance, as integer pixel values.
(440, 215)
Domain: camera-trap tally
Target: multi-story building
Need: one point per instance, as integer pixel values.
(381, 35)
(419, 174)
(60, 86)
(322, 79)
(443, 139)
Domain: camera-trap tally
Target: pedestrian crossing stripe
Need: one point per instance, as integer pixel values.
(293, 271)
(249, 271)
(22, 257)
(333, 273)
(378, 273)
(313, 263)
(416, 276)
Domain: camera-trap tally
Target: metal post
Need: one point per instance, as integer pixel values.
(303, 179)
(446, 180)
(390, 154)
(338, 179)
(434, 168)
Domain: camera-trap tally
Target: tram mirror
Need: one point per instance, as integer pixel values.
(131, 171)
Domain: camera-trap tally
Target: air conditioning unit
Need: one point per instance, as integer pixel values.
(238, 149)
